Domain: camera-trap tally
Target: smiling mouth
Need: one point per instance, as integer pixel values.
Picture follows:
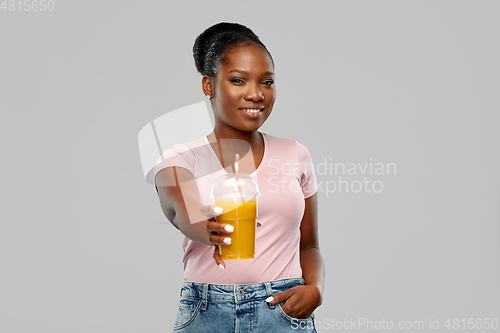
(252, 111)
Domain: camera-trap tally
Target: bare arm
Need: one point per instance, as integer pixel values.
(180, 202)
(311, 261)
(300, 301)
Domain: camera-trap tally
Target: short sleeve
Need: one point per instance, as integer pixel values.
(307, 176)
(179, 155)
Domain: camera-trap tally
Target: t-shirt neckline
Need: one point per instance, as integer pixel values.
(266, 146)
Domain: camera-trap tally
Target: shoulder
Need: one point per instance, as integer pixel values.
(286, 144)
(279, 142)
(185, 148)
(181, 154)
(193, 144)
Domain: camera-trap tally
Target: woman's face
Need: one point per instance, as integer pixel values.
(244, 91)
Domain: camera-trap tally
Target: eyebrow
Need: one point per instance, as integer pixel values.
(246, 73)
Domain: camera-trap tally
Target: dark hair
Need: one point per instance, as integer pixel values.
(211, 46)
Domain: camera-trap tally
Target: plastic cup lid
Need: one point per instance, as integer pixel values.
(229, 186)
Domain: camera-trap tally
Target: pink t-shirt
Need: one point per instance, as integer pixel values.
(285, 178)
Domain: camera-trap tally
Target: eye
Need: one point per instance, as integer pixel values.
(236, 80)
(268, 82)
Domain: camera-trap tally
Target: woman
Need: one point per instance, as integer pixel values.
(279, 289)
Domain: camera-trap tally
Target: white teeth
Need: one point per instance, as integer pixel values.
(251, 110)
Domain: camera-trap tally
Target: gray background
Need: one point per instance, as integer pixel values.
(84, 245)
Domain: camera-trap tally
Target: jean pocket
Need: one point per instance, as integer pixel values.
(291, 319)
(186, 312)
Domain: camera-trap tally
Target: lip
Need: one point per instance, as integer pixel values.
(253, 107)
(252, 115)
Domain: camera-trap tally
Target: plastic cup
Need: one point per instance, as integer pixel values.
(237, 196)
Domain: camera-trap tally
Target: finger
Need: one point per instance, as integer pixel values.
(282, 296)
(297, 307)
(211, 211)
(219, 227)
(218, 259)
(293, 310)
(220, 240)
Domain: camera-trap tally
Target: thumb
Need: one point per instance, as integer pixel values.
(211, 211)
(279, 297)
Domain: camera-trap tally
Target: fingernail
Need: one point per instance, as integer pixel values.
(229, 228)
(269, 299)
(218, 210)
(227, 241)
(221, 266)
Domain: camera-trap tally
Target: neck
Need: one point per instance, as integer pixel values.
(253, 138)
(227, 144)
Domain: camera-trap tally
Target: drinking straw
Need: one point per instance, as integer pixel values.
(237, 187)
(236, 166)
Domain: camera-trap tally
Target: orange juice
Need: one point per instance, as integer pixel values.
(243, 217)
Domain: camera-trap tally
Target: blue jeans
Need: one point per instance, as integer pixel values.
(240, 308)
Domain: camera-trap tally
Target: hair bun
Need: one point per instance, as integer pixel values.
(223, 34)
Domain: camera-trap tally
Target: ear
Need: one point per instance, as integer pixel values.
(206, 84)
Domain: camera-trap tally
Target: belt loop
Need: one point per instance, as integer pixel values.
(204, 297)
(269, 293)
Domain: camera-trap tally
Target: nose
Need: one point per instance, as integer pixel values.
(254, 93)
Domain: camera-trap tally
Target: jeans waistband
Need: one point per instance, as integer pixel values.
(236, 292)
